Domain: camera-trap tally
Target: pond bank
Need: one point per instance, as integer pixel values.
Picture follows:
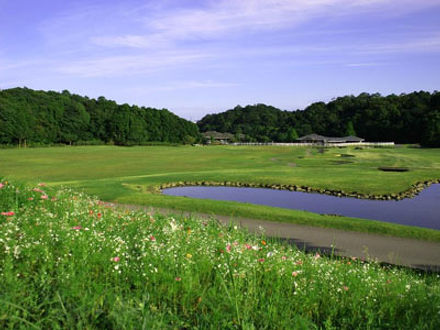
(409, 193)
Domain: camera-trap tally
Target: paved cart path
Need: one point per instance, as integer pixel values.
(394, 250)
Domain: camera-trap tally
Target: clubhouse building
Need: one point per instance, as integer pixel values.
(325, 140)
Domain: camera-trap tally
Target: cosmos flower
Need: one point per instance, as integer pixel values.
(8, 214)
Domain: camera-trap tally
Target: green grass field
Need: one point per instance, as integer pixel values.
(131, 175)
(67, 261)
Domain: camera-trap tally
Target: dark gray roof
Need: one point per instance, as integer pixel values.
(352, 138)
(327, 139)
(312, 137)
(218, 135)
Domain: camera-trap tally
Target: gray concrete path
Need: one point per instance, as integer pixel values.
(394, 250)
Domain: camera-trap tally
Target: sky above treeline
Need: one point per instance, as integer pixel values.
(196, 57)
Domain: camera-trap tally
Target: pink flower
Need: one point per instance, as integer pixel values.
(76, 227)
(228, 248)
(30, 199)
(345, 288)
(294, 274)
(37, 190)
(8, 214)
(116, 259)
(152, 238)
(248, 246)
(261, 260)
(178, 279)
(283, 258)
(1, 185)
(44, 197)
(317, 256)
(42, 184)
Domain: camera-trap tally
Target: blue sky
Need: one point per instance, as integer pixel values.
(197, 57)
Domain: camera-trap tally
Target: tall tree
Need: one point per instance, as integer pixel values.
(350, 129)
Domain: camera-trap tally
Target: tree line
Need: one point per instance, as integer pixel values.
(404, 118)
(39, 117)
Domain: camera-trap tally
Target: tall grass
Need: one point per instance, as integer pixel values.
(69, 261)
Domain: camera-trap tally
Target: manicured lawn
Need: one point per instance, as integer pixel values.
(131, 174)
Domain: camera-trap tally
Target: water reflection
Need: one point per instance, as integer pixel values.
(422, 210)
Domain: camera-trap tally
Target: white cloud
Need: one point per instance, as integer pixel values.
(134, 41)
(127, 64)
(229, 18)
(179, 85)
(360, 65)
(422, 44)
(124, 39)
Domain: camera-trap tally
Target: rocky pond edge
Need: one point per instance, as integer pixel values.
(411, 192)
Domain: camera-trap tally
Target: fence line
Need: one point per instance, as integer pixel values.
(344, 144)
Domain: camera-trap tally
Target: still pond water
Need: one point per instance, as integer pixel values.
(422, 210)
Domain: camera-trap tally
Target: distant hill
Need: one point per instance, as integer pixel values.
(38, 117)
(405, 118)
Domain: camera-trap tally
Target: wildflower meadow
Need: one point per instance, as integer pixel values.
(68, 260)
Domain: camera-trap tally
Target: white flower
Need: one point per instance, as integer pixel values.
(173, 225)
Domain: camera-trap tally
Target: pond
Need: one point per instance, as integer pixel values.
(422, 210)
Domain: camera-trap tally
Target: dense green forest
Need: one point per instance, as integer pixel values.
(38, 117)
(405, 118)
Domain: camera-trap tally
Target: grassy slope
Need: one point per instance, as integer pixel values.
(127, 175)
(68, 261)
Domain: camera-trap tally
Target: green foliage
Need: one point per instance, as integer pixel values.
(69, 261)
(350, 129)
(188, 139)
(406, 118)
(292, 135)
(431, 137)
(39, 117)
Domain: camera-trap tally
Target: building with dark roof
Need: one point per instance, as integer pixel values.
(218, 137)
(320, 139)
